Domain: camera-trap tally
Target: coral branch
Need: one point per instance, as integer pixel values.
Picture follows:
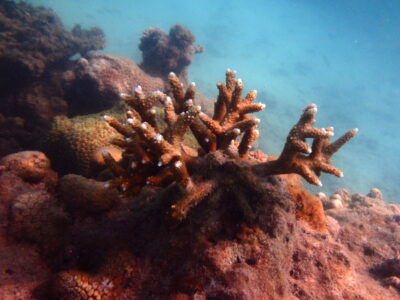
(230, 115)
(161, 158)
(293, 158)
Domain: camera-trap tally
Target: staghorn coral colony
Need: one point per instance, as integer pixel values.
(152, 157)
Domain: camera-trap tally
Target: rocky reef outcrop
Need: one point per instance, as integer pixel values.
(96, 82)
(34, 47)
(35, 51)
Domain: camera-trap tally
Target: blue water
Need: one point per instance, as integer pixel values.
(342, 55)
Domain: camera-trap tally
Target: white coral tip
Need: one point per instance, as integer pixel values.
(130, 120)
(107, 185)
(107, 117)
(138, 89)
(198, 107)
(189, 102)
(257, 132)
(262, 105)
(355, 130)
(193, 84)
(341, 174)
(152, 111)
(160, 163)
(171, 74)
(178, 164)
(319, 183)
(168, 101)
(236, 131)
(133, 165)
(314, 108)
(143, 125)
(158, 137)
(206, 140)
(257, 121)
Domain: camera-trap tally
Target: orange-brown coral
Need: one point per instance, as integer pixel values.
(77, 285)
(309, 208)
(156, 158)
(293, 158)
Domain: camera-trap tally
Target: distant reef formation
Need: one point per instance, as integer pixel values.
(168, 52)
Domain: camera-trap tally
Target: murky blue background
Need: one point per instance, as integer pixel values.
(342, 55)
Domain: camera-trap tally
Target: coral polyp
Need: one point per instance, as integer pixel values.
(159, 157)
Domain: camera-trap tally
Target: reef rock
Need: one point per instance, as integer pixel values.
(33, 39)
(31, 166)
(97, 81)
(35, 51)
(27, 209)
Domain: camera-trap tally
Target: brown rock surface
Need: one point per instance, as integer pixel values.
(97, 81)
(30, 166)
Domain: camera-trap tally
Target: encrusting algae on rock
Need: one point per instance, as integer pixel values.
(152, 157)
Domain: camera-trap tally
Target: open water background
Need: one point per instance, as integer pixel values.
(342, 55)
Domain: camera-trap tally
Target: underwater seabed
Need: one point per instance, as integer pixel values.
(341, 56)
(125, 180)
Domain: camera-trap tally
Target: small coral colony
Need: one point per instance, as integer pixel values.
(151, 156)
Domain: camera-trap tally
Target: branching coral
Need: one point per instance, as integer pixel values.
(152, 157)
(293, 158)
(160, 158)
